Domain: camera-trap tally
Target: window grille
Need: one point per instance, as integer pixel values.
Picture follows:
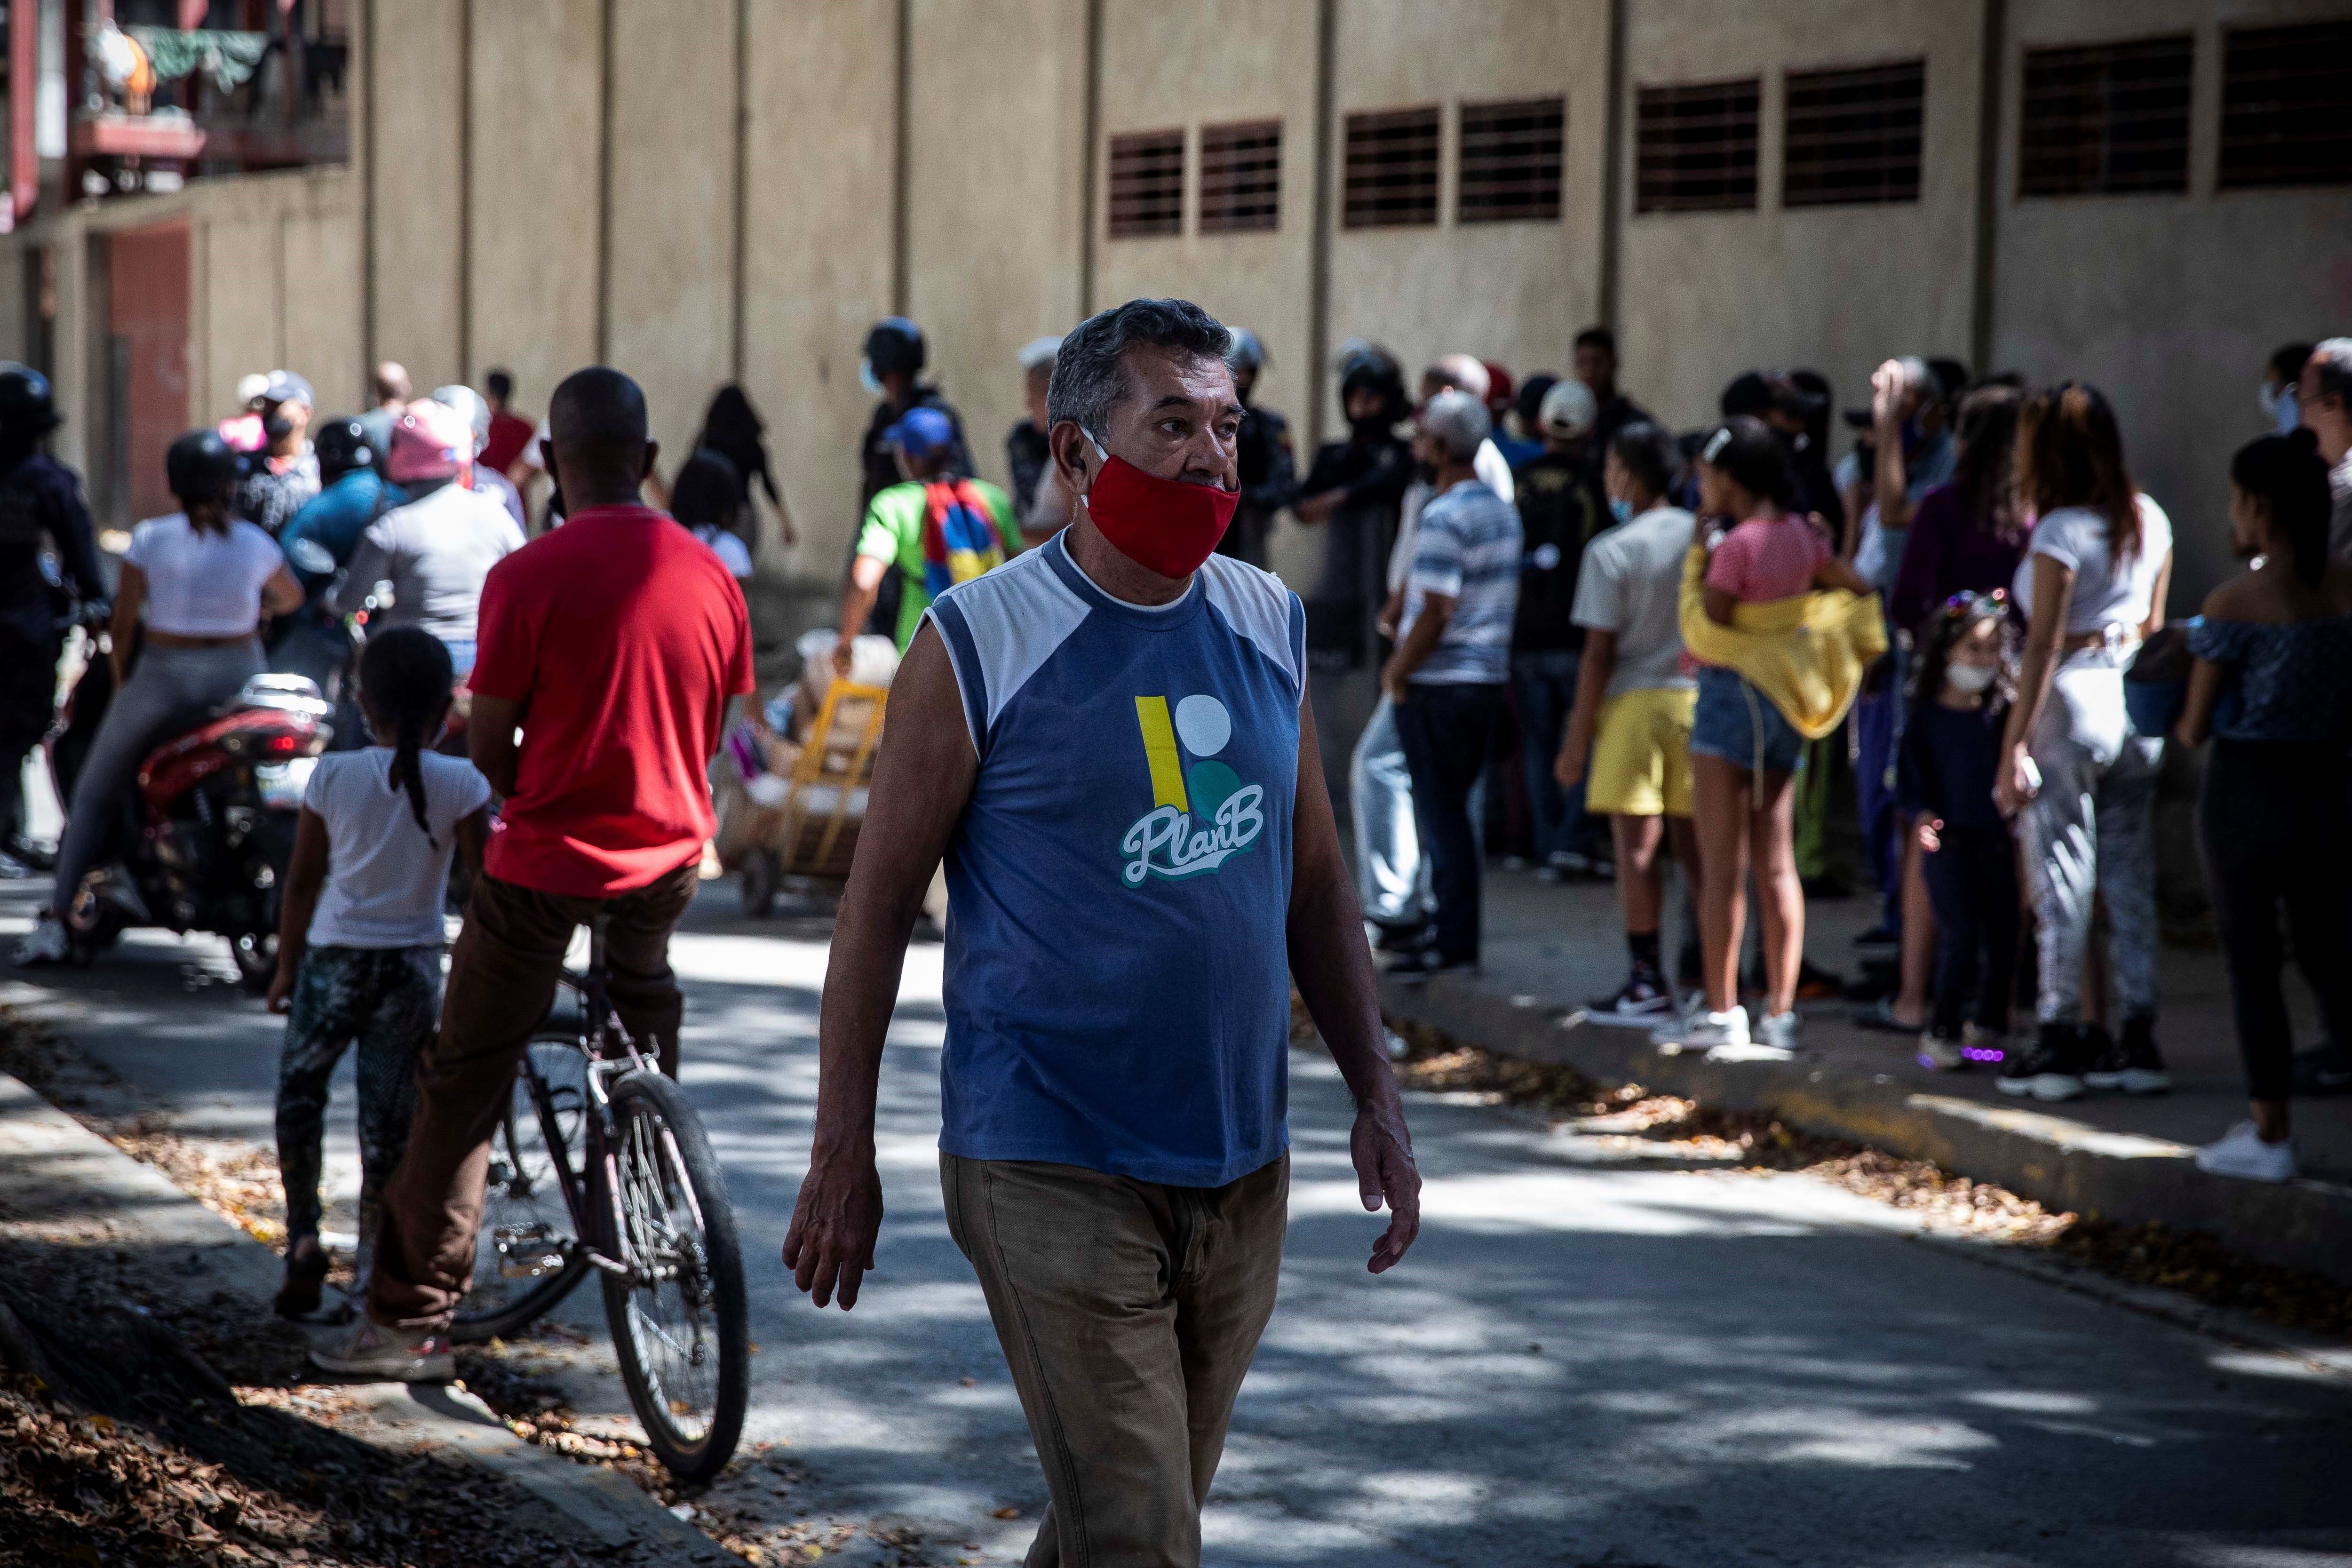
(1511, 160)
(1147, 183)
(1241, 177)
(2105, 118)
(1391, 175)
(2284, 98)
(1694, 146)
(1853, 136)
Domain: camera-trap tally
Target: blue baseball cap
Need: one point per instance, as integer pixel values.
(921, 432)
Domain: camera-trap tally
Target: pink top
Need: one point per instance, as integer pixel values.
(1768, 558)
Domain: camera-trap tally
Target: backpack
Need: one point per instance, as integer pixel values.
(959, 539)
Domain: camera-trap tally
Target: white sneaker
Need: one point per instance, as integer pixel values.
(1937, 1054)
(1670, 1032)
(1706, 1031)
(2244, 1154)
(395, 1356)
(46, 943)
(1779, 1031)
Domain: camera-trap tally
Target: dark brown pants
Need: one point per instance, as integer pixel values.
(1128, 1312)
(502, 976)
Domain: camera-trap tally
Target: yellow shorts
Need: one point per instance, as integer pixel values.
(1640, 756)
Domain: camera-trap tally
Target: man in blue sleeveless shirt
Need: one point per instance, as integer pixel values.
(1109, 740)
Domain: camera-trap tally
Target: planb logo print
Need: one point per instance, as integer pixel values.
(1201, 816)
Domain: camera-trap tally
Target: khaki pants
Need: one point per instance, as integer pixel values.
(502, 976)
(1128, 1312)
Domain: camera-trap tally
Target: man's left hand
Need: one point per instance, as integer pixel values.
(1386, 1174)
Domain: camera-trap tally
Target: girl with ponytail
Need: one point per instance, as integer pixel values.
(359, 939)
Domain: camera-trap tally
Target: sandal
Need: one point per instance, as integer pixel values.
(1879, 1015)
(305, 1267)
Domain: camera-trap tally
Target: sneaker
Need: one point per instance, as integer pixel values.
(2242, 1154)
(1989, 1046)
(1670, 1033)
(1551, 874)
(45, 944)
(1940, 1053)
(395, 1356)
(1516, 862)
(1779, 1030)
(1879, 1016)
(2326, 1069)
(1427, 963)
(1775, 1040)
(2051, 1070)
(1815, 983)
(2131, 1064)
(1643, 999)
(38, 857)
(1879, 938)
(1400, 938)
(1706, 1031)
(305, 1267)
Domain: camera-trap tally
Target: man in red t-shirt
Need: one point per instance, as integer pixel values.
(614, 643)
(509, 432)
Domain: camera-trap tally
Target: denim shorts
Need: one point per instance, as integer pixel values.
(1739, 724)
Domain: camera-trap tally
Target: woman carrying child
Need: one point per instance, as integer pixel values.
(1944, 783)
(359, 946)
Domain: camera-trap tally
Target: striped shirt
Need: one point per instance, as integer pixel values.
(1468, 550)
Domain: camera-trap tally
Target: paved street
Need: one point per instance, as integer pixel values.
(1589, 1359)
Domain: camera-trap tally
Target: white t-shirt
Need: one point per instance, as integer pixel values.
(1632, 583)
(384, 878)
(2076, 537)
(729, 546)
(200, 584)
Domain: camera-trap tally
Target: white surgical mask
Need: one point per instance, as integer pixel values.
(867, 379)
(1968, 678)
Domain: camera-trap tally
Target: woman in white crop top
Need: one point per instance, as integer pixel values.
(204, 579)
(2080, 780)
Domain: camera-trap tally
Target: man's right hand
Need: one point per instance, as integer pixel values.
(845, 654)
(829, 1246)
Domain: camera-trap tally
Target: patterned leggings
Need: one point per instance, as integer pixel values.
(387, 1000)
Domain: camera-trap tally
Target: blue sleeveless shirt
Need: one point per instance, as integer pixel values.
(1119, 887)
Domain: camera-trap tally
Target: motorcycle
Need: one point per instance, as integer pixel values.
(204, 841)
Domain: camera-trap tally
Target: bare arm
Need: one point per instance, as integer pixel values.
(1584, 719)
(2197, 716)
(490, 740)
(473, 834)
(130, 598)
(2053, 588)
(857, 596)
(1839, 573)
(1333, 970)
(306, 873)
(1891, 401)
(923, 775)
(2156, 597)
(282, 594)
(1436, 609)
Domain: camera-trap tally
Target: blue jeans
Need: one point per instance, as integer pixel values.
(1543, 689)
(1739, 724)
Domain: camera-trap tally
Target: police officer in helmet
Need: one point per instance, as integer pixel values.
(892, 371)
(40, 502)
(1269, 467)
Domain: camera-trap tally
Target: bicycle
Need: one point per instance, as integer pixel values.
(600, 1165)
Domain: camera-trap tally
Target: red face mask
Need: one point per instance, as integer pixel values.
(1163, 525)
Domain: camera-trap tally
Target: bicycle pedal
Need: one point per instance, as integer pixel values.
(527, 1252)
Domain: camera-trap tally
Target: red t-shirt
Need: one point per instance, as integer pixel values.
(509, 434)
(624, 638)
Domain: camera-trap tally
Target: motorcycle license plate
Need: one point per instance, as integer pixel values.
(282, 784)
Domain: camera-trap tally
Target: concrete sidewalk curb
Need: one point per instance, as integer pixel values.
(51, 1163)
(2061, 1162)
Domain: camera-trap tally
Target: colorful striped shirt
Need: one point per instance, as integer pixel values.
(1468, 550)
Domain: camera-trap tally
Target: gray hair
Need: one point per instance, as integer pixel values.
(1088, 381)
(2333, 358)
(469, 405)
(1457, 422)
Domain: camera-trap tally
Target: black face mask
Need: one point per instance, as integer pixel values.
(275, 425)
(1371, 429)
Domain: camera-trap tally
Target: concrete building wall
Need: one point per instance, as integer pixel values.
(2189, 294)
(669, 284)
(1707, 295)
(417, 137)
(817, 248)
(1183, 67)
(1514, 292)
(995, 253)
(534, 189)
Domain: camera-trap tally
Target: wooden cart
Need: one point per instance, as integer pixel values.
(810, 837)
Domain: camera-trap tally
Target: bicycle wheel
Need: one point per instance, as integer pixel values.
(680, 1329)
(523, 1203)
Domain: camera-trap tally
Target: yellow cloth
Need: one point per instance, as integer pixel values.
(1641, 754)
(1807, 653)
